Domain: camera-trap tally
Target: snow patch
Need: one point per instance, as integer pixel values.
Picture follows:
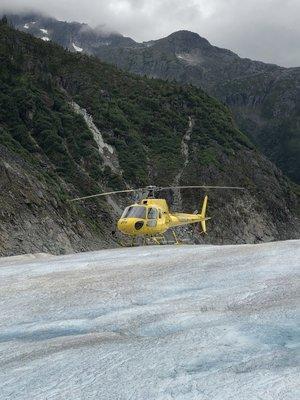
(148, 44)
(77, 48)
(45, 39)
(45, 31)
(192, 58)
(27, 25)
(183, 56)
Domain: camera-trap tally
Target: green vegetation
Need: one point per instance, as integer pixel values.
(263, 97)
(144, 119)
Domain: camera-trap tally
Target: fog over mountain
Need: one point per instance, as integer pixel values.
(263, 30)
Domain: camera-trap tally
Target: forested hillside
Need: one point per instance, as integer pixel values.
(72, 125)
(264, 98)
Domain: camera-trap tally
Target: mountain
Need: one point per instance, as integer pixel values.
(264, 98)
(72, 35)
(71, 125)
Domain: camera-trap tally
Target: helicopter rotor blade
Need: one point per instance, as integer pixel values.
(106, 194)
(155, 188)
(202, 187)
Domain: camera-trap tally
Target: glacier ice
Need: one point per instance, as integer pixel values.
(169, 322)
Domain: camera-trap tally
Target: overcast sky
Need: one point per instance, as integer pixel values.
(267, 30)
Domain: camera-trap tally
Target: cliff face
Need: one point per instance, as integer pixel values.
(34, 218)
(71, 125)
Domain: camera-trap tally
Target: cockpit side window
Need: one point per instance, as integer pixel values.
(152, 213)
(134, 212)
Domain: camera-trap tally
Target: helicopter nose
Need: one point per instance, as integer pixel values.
(130, 226)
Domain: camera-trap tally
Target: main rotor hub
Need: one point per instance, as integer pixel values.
(151, 191)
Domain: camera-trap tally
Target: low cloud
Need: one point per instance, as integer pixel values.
(267, 30)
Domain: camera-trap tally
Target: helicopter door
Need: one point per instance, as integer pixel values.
(152, 217)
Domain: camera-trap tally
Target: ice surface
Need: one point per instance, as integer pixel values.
(77, 48)
(169, 322)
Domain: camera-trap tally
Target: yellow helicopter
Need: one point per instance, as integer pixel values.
(150, 218)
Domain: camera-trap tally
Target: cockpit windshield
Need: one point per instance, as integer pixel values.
(134, 212)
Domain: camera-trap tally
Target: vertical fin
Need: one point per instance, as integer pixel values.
(203, 214)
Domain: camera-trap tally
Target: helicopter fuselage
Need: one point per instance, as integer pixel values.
(152, 217)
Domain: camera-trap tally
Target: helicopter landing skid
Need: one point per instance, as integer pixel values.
(152, 240)
(146, 241)
(160, 240)
(175, 237)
